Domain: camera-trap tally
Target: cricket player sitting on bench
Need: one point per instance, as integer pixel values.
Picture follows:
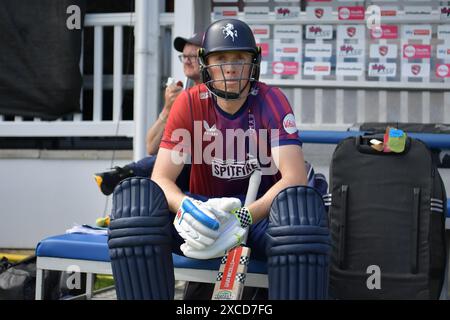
(228, 126)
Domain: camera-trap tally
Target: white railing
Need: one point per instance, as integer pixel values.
(97, 126)
(318, 103)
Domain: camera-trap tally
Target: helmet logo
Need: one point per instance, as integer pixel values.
(228, 31)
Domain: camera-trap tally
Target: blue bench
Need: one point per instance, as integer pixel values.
(86, 253)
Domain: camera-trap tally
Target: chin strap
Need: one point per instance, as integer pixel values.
(229, 95)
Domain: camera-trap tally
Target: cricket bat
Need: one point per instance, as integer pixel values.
(230, 280)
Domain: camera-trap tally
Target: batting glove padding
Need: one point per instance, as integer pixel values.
(196, 224)
(231, 237)
(230, 230)
(221, 207)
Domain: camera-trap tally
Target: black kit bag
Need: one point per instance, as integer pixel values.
(387, 215)
(18, 280)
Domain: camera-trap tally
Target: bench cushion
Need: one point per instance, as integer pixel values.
(75, 246)
(95, 247)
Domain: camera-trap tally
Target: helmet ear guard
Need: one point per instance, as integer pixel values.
(204, 74)
(257, 63)
(201, 53)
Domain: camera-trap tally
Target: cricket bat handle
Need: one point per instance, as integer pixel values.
(252, 193)
(253, 186)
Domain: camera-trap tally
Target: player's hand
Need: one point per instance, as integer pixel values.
(227, 209)
(230, 238)
(222, 207)
(196, 224)
(172, 92)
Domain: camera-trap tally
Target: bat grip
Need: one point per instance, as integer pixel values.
(252, 193)
(253, 186)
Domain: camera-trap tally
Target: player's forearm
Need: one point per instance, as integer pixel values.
(260, 208)
(173, 194)
(154, 139)
(155, 133)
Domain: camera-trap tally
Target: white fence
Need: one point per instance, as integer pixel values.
(318, 103)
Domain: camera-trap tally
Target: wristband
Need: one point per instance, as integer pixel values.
(244, 216)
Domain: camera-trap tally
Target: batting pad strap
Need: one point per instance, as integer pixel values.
(244, 216)
(298, 240)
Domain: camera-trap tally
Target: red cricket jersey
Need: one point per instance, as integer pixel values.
(225, 149)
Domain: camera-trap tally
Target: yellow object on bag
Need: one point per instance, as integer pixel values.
(394, 141)
(103, 222)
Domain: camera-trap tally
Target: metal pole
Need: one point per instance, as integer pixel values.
(147, 17)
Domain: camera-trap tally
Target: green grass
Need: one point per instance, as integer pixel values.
(103, 281)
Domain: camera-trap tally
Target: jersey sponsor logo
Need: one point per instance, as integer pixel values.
(232, 169)
(204, 95)
(236, 144)
(254, 91)
(210, 131)
(289, 124)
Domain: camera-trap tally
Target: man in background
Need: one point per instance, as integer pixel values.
(108, 180)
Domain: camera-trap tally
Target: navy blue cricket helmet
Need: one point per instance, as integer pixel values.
(229, 35)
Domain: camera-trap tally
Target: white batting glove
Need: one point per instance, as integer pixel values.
(196, 224)
(230, 208)
(221, 207)
(234, 220)
(230, 238)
